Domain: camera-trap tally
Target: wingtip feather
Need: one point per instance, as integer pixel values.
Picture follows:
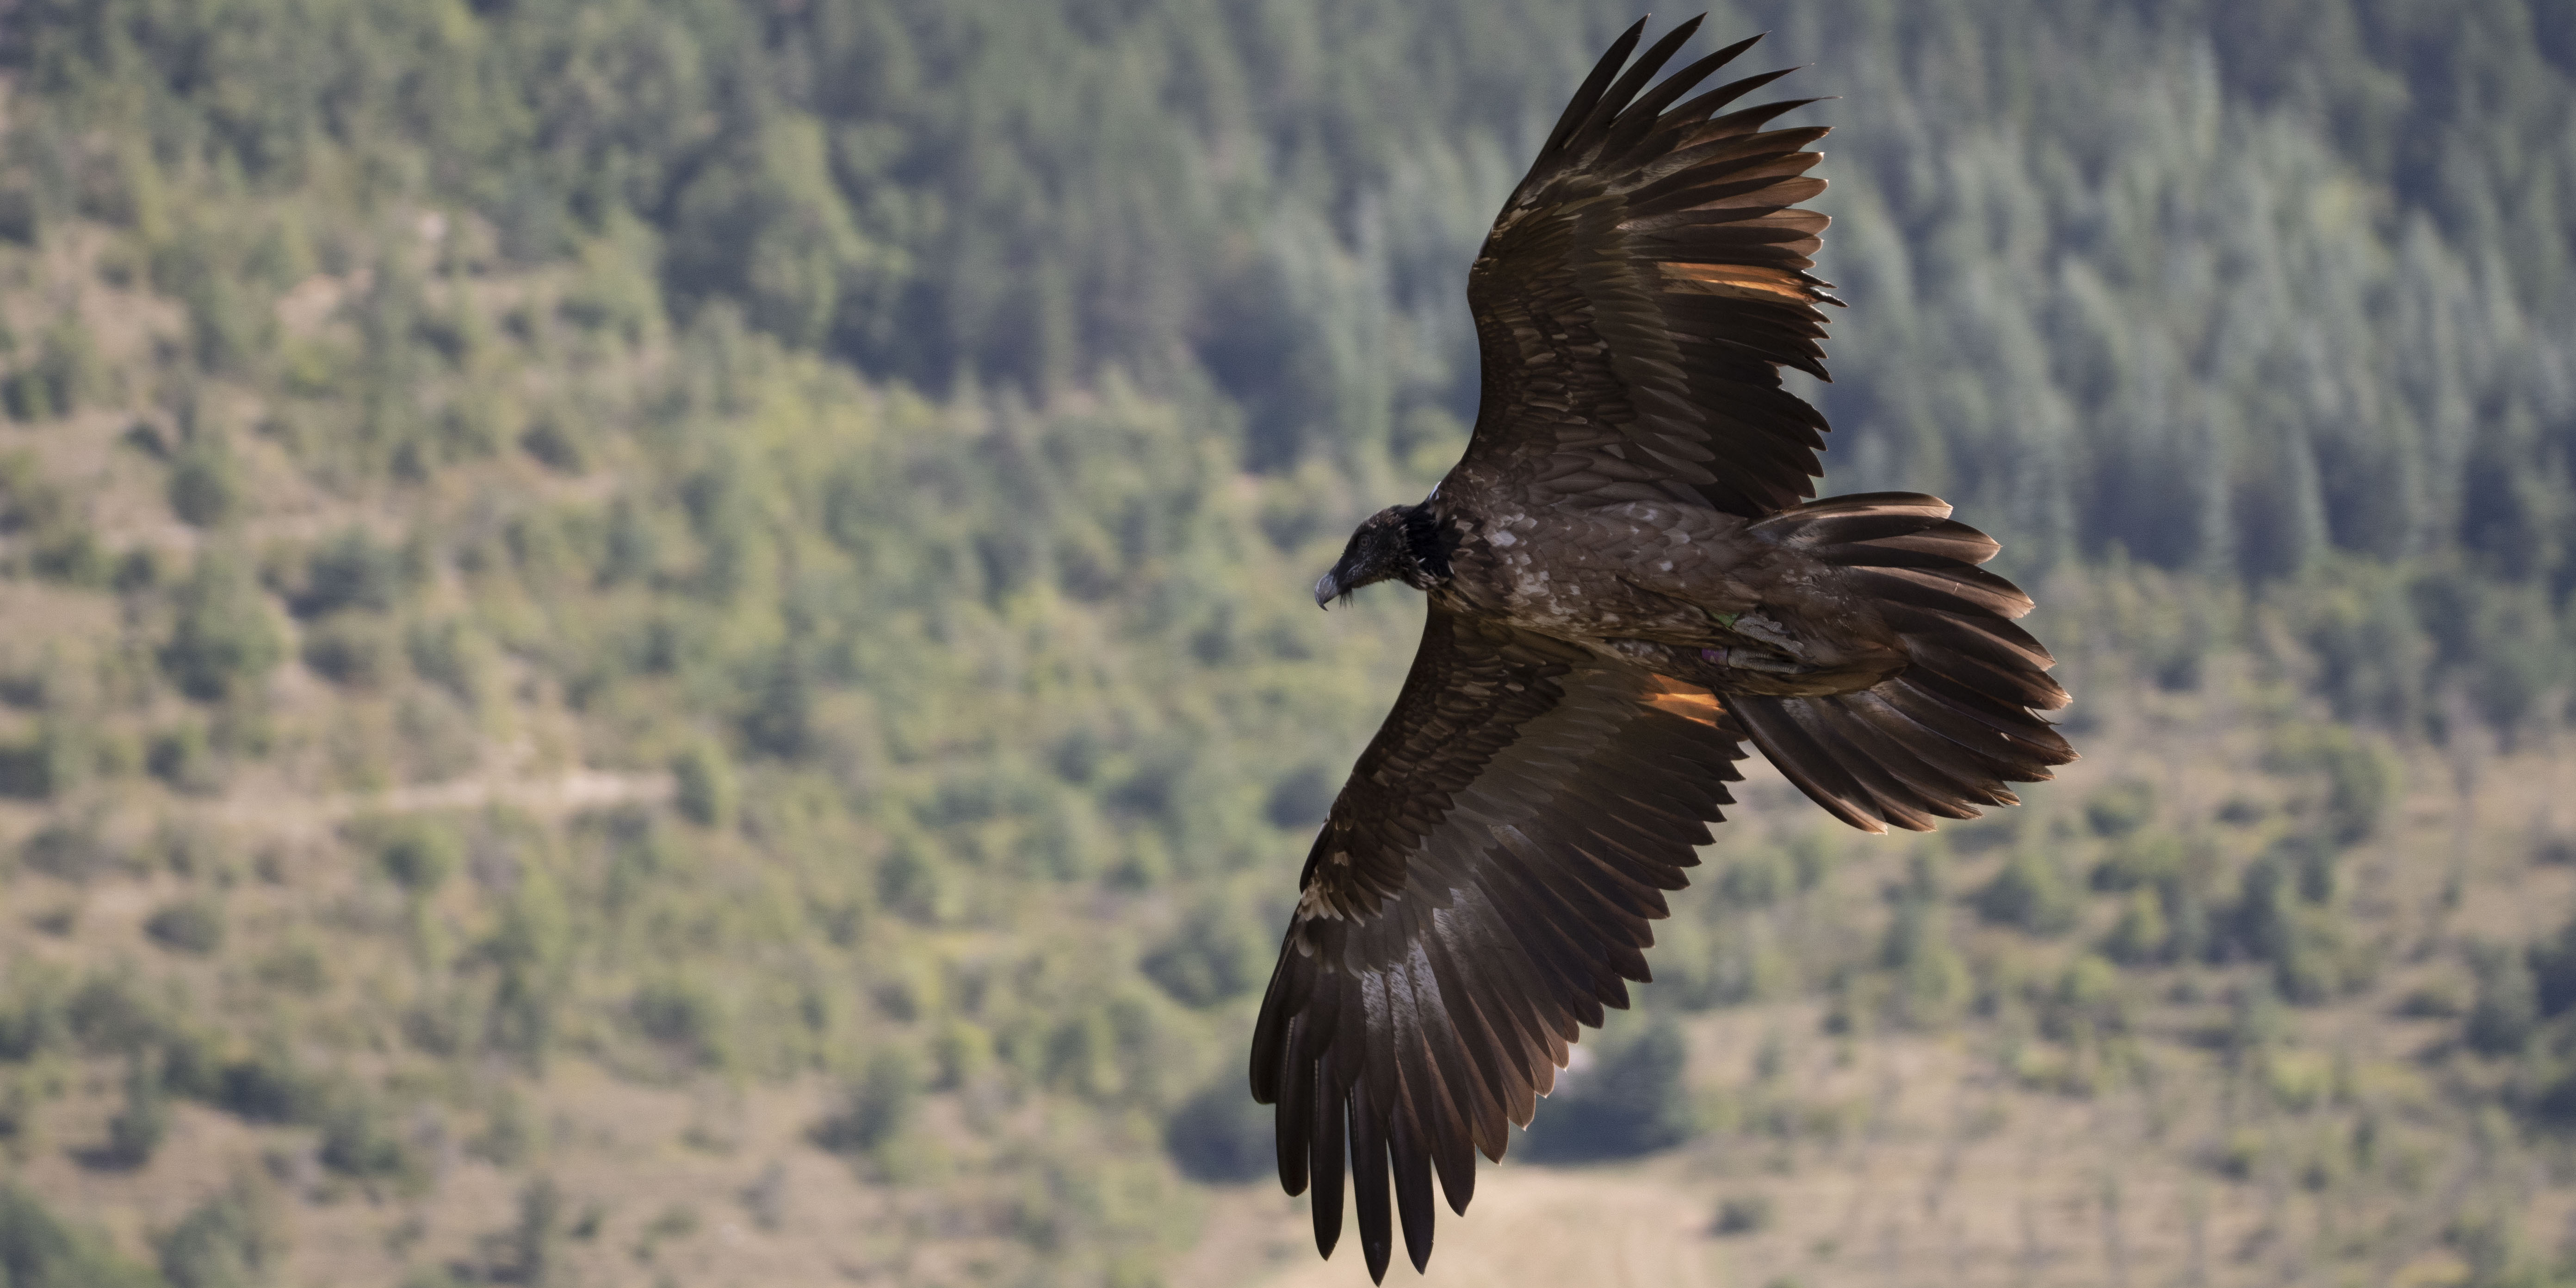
(1580, 105)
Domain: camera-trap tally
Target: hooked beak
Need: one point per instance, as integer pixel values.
(1326, 591)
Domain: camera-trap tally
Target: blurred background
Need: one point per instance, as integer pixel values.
(666, 642)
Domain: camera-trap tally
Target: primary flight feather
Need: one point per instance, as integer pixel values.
(1626, 583)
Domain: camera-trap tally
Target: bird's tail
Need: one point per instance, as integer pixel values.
(1944, 735)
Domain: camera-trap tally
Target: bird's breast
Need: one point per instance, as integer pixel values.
(1619, 571)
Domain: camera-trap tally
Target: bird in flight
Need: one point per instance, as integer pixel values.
(1627, 583)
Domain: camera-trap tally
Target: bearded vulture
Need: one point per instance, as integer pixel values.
(1627, 583)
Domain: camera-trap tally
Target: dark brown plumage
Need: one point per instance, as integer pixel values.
(1626, 584)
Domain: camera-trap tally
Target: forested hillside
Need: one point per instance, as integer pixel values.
(663, 641)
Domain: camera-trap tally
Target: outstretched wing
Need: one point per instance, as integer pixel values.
(1482, 886)
(1640, 292)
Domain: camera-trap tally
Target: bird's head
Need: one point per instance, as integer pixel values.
(1398, 543)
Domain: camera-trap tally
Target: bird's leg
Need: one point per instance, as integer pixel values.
(1759, 628)
(1703, 664)
(1744, 668)
(1748, 659)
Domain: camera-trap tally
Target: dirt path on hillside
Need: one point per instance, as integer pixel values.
(582, 789)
